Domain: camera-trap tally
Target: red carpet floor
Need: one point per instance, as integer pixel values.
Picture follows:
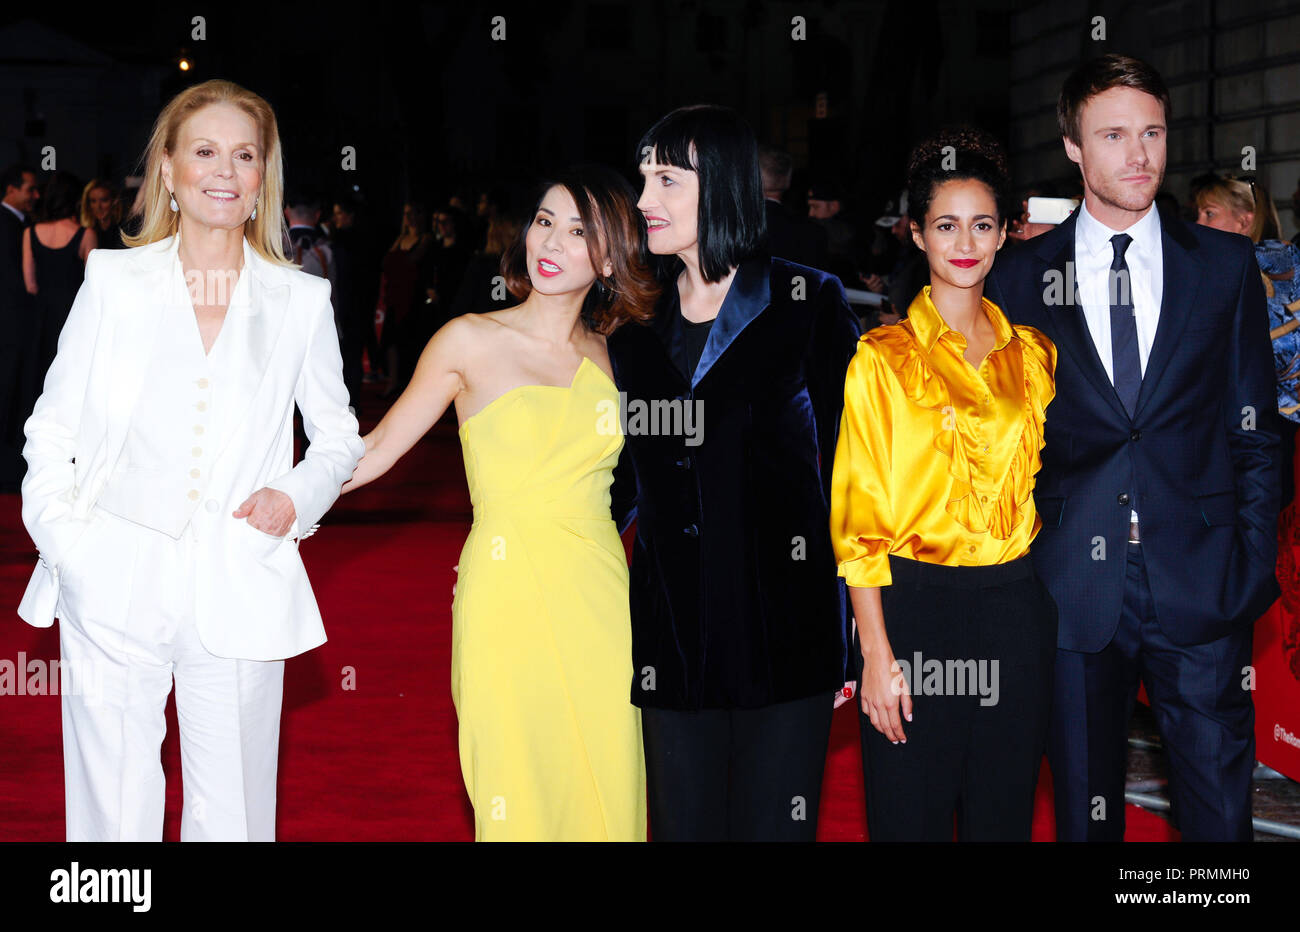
(368, 740)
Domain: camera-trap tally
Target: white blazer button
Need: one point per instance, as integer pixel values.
(212, 505)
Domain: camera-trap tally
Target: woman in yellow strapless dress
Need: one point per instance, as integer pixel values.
(550, 744)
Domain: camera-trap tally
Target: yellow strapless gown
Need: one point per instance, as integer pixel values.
(550, 743)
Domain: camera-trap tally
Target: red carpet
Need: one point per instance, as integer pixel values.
(368, 740)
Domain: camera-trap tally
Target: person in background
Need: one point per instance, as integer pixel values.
(1168, 205)
(826, 210)
(790, 237)
(54, 263)
(101, 210)
(445, 269)
(18, 330)
(911, 271)
(1021, 228)
(356, 264)
(483, 289)
(309, 247)
(1245, 207)
(401, 295)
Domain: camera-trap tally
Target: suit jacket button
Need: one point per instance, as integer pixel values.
(1122, 498)
(691, 530)
(684, 462)
(1135, 435)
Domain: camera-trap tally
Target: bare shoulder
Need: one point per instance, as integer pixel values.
(596, 349)
(474, 328)
(471, 338)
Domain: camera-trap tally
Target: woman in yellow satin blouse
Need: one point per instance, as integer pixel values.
(932, 517)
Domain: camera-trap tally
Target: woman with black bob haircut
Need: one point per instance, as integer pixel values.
(732, 393)
(932, 515)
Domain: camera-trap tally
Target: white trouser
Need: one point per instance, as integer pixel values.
(126, 627)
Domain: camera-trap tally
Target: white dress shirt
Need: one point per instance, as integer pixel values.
(1093, 255)
(16, 212)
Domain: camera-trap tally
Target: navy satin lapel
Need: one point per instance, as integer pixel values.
(1069, 319)
(749, 294)
(1182, 281)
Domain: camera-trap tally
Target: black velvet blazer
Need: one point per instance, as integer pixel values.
(735, 598)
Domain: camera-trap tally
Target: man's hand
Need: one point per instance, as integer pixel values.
(269, 511)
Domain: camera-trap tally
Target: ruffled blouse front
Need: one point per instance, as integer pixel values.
(936, 459)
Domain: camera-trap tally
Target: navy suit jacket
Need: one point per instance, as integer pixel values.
(735, 597)
(1201, 452)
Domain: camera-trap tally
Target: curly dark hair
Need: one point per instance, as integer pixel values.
(957, 153)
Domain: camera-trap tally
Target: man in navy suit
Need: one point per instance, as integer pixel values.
(17, 325)
(1160, 485)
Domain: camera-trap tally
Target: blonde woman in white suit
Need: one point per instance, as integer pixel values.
(161, 490)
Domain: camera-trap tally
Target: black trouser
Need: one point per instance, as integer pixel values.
(976, 646)
(1204, 712)
(737, 774)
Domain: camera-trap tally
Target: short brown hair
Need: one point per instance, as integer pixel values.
(607, 205)
(1099, 75)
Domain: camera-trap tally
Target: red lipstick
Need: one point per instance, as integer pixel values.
(964, 263)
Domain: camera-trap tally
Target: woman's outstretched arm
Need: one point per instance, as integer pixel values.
(436, 383)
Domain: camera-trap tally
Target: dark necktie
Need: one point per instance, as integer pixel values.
(1125, 362)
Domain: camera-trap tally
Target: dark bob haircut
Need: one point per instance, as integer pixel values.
(614, 230)
(717, 144)
(957, 153)
(1099, 75)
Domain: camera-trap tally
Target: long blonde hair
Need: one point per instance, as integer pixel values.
(266, 232)
(115, 202)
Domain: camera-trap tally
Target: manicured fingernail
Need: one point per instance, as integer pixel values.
(909, 718)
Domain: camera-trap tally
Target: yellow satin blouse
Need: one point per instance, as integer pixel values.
(936, 460)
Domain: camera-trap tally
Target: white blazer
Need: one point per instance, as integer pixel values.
(252, 597)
